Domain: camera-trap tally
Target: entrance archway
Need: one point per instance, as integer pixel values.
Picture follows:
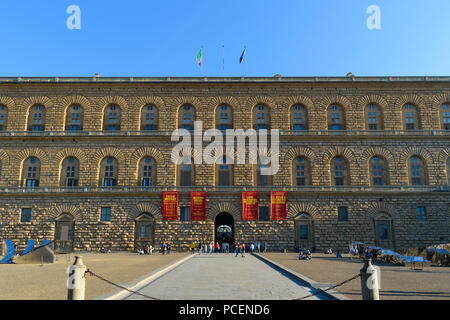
(224, 228)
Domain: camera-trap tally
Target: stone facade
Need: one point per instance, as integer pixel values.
(394, 204)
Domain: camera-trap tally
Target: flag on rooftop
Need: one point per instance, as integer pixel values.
(199, 57)
(243, 55)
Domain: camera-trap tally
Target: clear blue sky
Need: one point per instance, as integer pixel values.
(162, 38)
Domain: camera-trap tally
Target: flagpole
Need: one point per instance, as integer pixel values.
(245, 57)
(201, 64)
(223, 60)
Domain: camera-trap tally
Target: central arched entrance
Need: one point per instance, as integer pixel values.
(224, 228)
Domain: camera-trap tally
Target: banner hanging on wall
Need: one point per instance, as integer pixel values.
(278, 205)
(250, 205)
(170, 205)
(198, 205)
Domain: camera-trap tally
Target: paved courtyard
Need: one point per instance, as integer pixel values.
(225, 277)
(397, 282)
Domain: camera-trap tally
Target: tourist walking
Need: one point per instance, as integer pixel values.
(252, 247)
(236, 249)
(199, 248)
(168, 248)
(163, 248)
(192, 247)
(242, 250)
(210, 248)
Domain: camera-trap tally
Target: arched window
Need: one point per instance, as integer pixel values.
(31, 172)
(74, 118)
(70, 172)
(108, 172)
(448, 171)
(301, 172)
(336, 118)
(147, 172)
(378, 171)
(261, 117)
(36, 118)
(149, 118)
(224, 117)
(3, 117)
(112, 118)
(185, 173)
(262, 179)
(410, 117)
(374, 119)
(299, 118)
(186, 117)
(224, 173)
(445, 116)
(340, 171)
(416, 171)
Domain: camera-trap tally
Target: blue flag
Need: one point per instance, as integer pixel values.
(243, 55)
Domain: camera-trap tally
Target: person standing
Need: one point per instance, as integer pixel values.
(242, 250)
(199, 248)
(168, 248)
(236, 249)
(192, 247)
(252, 247)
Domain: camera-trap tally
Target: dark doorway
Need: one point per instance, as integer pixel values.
(224, 228)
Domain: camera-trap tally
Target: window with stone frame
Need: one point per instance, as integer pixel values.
(421, 213)
(343, 213)
(410, 117)
(149, 118)
(109, 168)
(374, 118)
(224, 173)
(31, 172)
(340, 171)
(417, 174)
(264, 213)
(299, 118)
(112, 118)
(262, 179)
(301, 171)
(3, 117)
(25, 215)
(185, 173)
(147, 172)
(336, 118)
(445, 113)
(36, 118)
(224, 117)
(186, 117)
(378, 171)
(261, 117)
(105, 214)
(185, 213)
(70, 172)
(74, 118)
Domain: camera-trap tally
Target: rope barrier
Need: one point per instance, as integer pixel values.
(119, 286)
(332, 287)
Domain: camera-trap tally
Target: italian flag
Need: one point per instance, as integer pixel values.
(199, 57)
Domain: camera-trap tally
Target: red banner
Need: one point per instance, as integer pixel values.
(250, 205)
(198, 205)
(278, 205)
(170, 205)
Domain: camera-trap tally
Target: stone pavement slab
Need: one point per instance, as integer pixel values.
(225, 277)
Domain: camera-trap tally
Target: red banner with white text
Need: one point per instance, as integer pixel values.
(170, 205)
(250, 205)
(278, 205)
(198, 205)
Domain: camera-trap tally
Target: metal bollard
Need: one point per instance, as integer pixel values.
(76, 281)
(369, 281)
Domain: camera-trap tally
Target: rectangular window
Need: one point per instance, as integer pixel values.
(185, 213)
(342, 213)
(383, 231)
(421, 214)
(26, 215)
(264, 213)
(105, 214)
(303, 232)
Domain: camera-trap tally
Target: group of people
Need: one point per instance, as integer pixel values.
(338, 253)
(227, 247)
(304, 254)
(147, 249)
